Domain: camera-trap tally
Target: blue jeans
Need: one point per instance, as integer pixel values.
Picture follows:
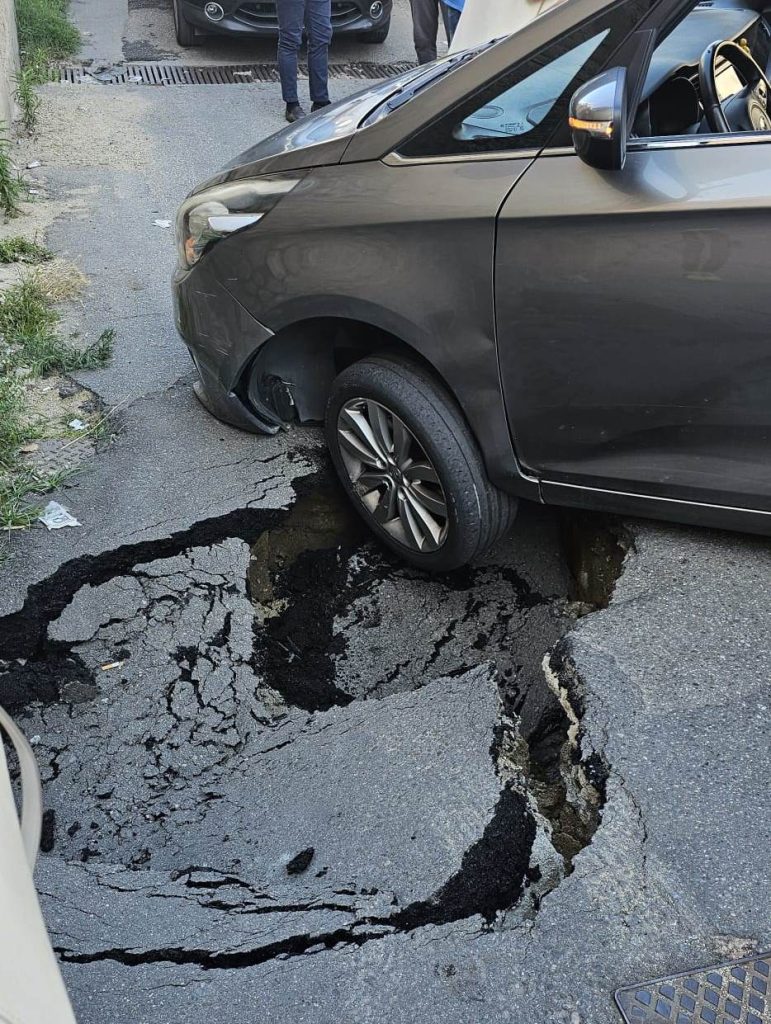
(315, 16)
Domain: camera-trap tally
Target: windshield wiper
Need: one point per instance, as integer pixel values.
(406, 92)
(409, 90)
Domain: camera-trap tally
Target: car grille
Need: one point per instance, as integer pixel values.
(262, 13)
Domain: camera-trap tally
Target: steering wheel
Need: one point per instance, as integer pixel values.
(750, 108)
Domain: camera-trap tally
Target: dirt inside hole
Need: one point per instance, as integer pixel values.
(339, 619)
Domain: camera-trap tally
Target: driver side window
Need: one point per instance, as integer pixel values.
(522, 108)
(694, 87)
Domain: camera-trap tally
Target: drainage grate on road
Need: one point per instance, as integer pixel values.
(732, 993)
(154, 73)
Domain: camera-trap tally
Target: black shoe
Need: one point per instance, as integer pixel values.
(293, 112)
(320, 106)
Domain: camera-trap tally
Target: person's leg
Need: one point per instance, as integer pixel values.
(425, 23)
(318, 24)
(291, 15)
(451, 17)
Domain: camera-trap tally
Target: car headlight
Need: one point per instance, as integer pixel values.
(217, 212)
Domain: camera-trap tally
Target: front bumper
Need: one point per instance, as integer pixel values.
(222, 338)
(258, 17)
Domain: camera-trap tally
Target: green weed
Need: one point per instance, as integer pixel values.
(28, 324)
(31, 75)
(17, 512)
(10, 180)
(45, 35)
(45, 29)
(11, 411)
(22, 250)
(26, 317)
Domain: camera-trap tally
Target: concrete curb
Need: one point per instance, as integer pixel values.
(9, 61)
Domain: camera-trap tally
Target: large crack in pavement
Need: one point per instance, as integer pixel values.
(293, 742)
(489, 881)
(23, 633)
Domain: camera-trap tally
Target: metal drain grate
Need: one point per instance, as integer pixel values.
(148, 73)
(732, 993)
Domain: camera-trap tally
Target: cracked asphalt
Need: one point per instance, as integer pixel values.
(289, 778)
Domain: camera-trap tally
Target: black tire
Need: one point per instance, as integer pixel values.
(478, 513)
(185, 32)
(377, 35)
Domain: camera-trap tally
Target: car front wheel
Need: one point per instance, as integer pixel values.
(411, 466)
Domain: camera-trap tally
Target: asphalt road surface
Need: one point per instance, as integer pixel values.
(287, 778)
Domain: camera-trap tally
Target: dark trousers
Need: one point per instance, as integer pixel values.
(315, 17)
(425, 25)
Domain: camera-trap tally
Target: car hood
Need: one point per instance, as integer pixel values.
(316, 140)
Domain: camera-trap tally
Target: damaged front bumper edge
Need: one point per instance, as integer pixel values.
(223, 338)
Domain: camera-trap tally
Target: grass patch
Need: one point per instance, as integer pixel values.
(45, 31)
(29, 77)
(17, 512)
(22, 250)
(25, 315)
(28, 324)
(28, 319)
(31, 346)
(11, 411)
(45, 35)
(46, 354)
(60, 281)
(100, 353)
(10, 180)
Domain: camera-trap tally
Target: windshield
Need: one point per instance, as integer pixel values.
(421, 79)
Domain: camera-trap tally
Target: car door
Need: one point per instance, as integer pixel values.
(631, 318)
(31, 988)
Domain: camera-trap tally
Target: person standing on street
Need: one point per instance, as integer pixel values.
(425, 25)
(316, 17)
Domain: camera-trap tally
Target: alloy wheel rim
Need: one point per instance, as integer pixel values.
(392, 475)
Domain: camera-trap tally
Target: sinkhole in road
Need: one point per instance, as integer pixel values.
(273, 683)
(340, 619)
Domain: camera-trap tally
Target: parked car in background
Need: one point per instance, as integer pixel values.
(369, 20)
(533, 269)
(31, 987)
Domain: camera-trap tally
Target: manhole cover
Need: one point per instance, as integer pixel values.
(59, 455)
(154, 73)
(732, 993)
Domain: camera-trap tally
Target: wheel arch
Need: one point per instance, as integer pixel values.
(292, 373)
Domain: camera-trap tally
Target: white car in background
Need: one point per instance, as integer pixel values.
(31, 987)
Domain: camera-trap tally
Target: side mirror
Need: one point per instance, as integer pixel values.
(598, 120)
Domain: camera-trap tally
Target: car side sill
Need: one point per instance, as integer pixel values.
(654, 507)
